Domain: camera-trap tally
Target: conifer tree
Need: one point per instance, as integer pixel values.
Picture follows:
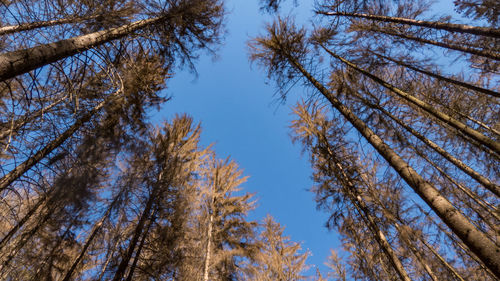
(279, 258)
(407, 114)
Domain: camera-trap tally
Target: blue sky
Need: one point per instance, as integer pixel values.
(241, 115)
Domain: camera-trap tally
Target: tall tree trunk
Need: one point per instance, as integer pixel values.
(455, 161)
(21, 61)
(442, 78)
(477, 241)
(493, 145)
(34, 25)
(206, 265)
(473, 51)
(379, 236)
(108, 259)
(141, 245)
(25, 237)
(22, 168)
(452, 27)
(146, 214)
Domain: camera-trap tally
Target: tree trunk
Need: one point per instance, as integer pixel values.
(135, 239)
(452, 27)
(379, 237)
(465, 49)
(22, 168)
(20, 224)
(206, 265)
(141, 245)
(416, 253)
(353, 195)
(493, 145)
(108, 259)
(494, 188)
(442, 78)
(34, 25)
(21, 61)
(477, 241)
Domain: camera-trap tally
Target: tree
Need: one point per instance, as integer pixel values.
(279, 258)
(287, 54)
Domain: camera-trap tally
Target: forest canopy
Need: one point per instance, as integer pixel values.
(404, 151)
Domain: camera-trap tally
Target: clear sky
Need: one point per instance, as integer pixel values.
(240, 114)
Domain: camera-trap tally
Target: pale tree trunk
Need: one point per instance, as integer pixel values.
(452, 27)
(479, 137)
(473, 51)
(21, 61)
(494, 188)
(477, 241)
(9, 29)
(442, 78)
(206, 265)
(22, 168)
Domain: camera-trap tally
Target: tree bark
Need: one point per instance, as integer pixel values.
(206, 265)
(452, 27)
(477, 241)
(34, 25)
(493, 145)
(21, 61)
(22, 168)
